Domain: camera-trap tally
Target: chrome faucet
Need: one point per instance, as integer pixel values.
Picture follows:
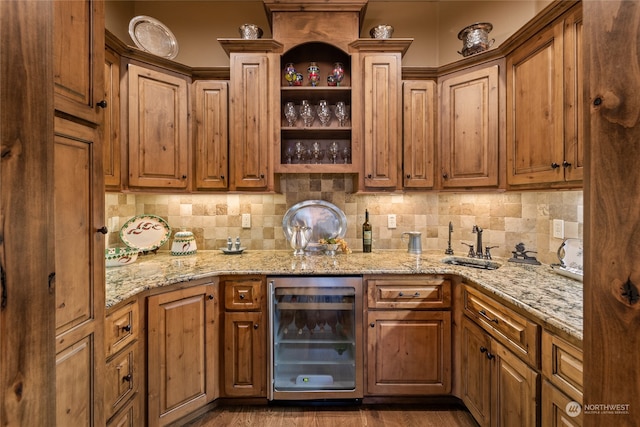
(478, 231)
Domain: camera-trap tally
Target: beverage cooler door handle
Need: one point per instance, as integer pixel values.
(270, 321)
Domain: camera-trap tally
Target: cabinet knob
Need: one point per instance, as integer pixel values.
(210, 297)
(372, 324)
(445, 175)
(103, 229)
(490, 356)
(102, 104)
(400, 294)
(483, 349)
(408, 176)
(255, 326)
(369, 176)
(126, 328)
(222, 177)
(261, 176)
(241, 296)
(127, 378)
(554, 165)
(417, 294)
(566, 164)
(184, 176)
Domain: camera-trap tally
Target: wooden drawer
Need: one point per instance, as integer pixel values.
(562, 365)
(513, 330)
(129, 415)
(121, 328)
(409, 293)
(244, 294)
(121, 379)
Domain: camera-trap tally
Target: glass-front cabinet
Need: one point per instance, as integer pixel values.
(315, 338)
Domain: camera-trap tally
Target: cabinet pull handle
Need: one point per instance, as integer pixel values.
(483, 349)
(126, 328)
(484, 314)
(401, 294)
(417, 294)
(490, 356)
(222, 177)
(554, 165)
(127, 378)
(565, 164)
(255, 326)
(103, 229)
(184, 176)
(102, 104)
(372, 324)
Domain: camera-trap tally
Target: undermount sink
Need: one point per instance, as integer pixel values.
(484, 264)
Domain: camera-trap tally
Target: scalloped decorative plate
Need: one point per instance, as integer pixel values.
(145, 232)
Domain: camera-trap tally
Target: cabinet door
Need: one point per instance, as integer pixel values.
(558, 409)
(535, 133)
(408, 353)
(574, 126)
(244, 354)
(182, 349)
(79, 279)
(470, 129)
(514, 390)
(418, 140)
(78, 57)
(112, 140)
(211, 135)
(381, 108)
(250, 120)
(475, 371)
(158, 133)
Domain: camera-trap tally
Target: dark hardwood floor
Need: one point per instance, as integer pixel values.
(349, 416)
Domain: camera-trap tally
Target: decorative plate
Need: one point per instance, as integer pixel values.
(326, 220)
(570, 254)
(153, 36)
(145, 232)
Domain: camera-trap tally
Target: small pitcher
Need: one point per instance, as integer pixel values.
(414, 241)
(300, 235)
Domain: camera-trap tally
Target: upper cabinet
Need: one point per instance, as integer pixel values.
(545, 134)
(158, 128)
(78, 55)
(418, 139)
(112, 135)
(470, 128)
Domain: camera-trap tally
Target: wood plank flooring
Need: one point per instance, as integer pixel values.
(358, 416)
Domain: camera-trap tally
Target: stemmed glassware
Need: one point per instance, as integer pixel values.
(290, 113)
(341, 113)
(317, 153)
(300, 150)
(306, 112)
(333, 152)
(289, 154)
(323, 112)
(346, 154)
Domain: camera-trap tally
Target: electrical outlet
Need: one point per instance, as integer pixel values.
(246, 220)
(391, 221)
(558, 228)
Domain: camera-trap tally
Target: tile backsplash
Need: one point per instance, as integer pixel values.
(506, 217)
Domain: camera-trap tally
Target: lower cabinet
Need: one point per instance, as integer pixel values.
(182, 352)
(558, 409)
(245, 335)
(498, 388)
(408, 338)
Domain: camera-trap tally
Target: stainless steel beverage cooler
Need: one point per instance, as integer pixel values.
(315, 338)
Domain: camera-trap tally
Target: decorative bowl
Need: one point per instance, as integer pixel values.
(381, 32)
(250, 31)
(116, 257)
(475, 38)
(184, 243)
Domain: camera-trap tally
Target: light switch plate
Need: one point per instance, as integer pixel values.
(558, 229)
(391, 221)
(246, 220)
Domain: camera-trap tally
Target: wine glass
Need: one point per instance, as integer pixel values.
(289, 152)
(341, 113)
(323, 112)
(346, 154)
(333, 152)
(290, 113)
(317, 152)
(306, 112)
(299, 151)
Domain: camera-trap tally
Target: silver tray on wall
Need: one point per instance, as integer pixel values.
(325, 219)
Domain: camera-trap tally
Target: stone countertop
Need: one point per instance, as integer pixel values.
(553, 300)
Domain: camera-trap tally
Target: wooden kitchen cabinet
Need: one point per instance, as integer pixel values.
(418, 139)
(112, 133)
(498, 388)
(545, 131)
(253, 89)
(245, 335)
(158, 123)
(182, 349)
(79, 279)
(211, 130)
(470, 128)
(408, 339)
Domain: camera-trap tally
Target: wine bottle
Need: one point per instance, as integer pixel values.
(366, 233)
